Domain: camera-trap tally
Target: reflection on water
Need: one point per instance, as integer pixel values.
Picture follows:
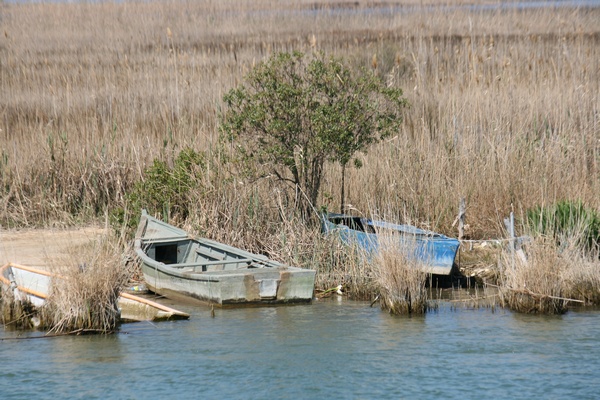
(332, 348)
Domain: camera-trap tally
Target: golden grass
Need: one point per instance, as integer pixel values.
(532, 284)
(503, 102)
(548, 278)
(401, 280)
(504, 110)
(84, 296)
(346, 266)
(582, 280)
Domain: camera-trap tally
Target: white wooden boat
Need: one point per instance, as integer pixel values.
(177, 265)
(33, 285)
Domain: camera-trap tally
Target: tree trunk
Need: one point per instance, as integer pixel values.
(342, 205)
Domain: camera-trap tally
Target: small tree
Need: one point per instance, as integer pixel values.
(294, 114)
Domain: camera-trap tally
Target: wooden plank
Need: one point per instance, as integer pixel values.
(209, 263)
(153, 304)
(217, 255)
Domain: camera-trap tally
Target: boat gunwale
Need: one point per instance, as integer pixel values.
(211, 276)
(173, 269)
(403, 229)
(23, 289)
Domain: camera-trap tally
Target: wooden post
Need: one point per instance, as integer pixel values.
(510, 227)
(342, 200)
(462, 210)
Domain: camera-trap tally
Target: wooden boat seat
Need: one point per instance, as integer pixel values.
(209, 254)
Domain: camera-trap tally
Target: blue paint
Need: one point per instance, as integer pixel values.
(435, 250)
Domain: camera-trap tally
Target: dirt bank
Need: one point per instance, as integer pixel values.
(42, 247)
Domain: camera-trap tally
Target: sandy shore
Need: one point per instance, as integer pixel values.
(40, 247)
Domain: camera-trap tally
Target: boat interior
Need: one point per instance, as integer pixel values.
(382, 228)
(194, 256)
(354, 223)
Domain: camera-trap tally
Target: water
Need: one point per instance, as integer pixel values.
(341, 10)
(330, 349)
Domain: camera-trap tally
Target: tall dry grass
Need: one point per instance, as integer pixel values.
(401, 280)
(582, 280)
(504, 109)
(346, 266)
(84, 296)
(532, 283)
(549, 277)
(504, 102)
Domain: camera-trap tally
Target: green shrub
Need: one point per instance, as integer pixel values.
(165, 191)
(565, 221)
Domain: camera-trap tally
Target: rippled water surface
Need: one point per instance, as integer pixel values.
(329, 349)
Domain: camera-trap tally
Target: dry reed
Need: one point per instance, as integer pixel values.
(83, 298)
(346, 266)
(548, 278)
(401, 279)
(504, 110)
(503, 102)
(582, 280)
(580, 276)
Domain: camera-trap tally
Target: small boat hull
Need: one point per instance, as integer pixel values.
(179, 266)
(436, 252)
(33, 285)
(231, 287)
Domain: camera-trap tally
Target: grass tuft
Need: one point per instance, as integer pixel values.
(84, 297)
(400, 279)
(548, 278)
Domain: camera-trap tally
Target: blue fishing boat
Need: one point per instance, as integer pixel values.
(434, 250)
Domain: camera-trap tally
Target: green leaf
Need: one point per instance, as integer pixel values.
(297, 111)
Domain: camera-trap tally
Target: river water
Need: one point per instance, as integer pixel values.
(332, 348)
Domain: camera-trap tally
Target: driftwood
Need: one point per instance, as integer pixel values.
(329, 292)
(375, 301)
(533, 294)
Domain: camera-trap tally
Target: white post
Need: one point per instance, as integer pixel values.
(462, 210)
(510, 227)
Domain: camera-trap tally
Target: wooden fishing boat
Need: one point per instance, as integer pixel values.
(434, 250)
(33, 285)
(177, 265)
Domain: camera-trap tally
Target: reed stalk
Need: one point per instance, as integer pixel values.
(400, 278)
(84, 295)
(504, 112)
(548, 278)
